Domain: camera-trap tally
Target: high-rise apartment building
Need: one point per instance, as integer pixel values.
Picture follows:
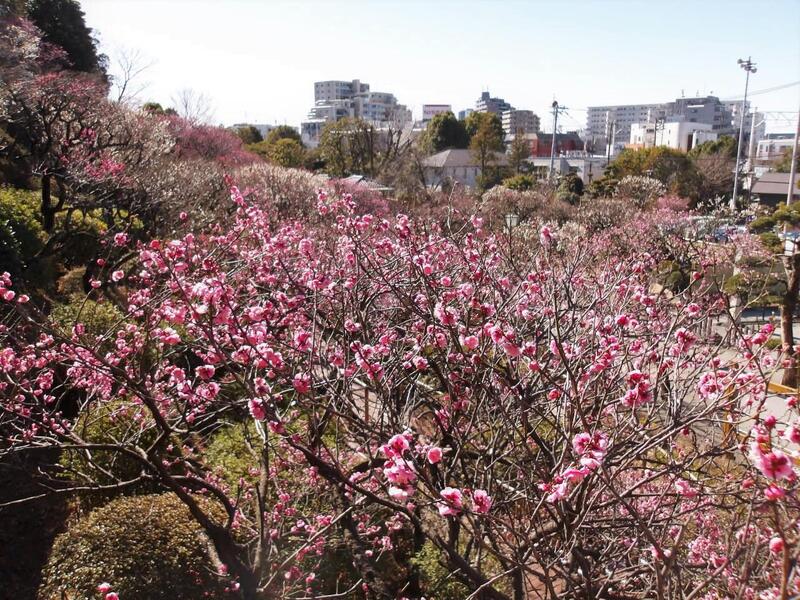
(605, 123)
(520, 121)
(707, 109)
(493, 105)
(334, 100)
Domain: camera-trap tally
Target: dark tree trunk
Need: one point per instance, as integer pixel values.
(519, 585)
(788, 306)
(46, 207)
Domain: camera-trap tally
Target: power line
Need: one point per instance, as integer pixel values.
(765, 90)
(732, 98)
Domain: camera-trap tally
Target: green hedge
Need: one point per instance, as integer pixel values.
(21, 233)
(146, 547)
(111, 422)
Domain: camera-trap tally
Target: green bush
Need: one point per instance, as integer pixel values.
(230, 452)
(83, 231)
(435, 578)
(771, 240)
(112, 422)
(674, 277)
(22, 238)
(520, 183)
(147, 547)
(762, 224)
(21, 233)
(98, 318)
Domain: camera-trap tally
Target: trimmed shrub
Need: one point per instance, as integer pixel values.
(111, 422)
(519, 183)
(97, 318)
(231, 454)
(21, 236)
(147, 547)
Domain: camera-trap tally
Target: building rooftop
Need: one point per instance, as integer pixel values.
(362, 181)
(560, 137)
(457, 157)
(775, 183)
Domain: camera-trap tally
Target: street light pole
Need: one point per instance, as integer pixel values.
(750, 67)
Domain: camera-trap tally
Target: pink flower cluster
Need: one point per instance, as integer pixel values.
(6, 293)
(402, 474)
(105, 590)
(592, 449)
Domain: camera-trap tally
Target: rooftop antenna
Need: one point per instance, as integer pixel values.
(682, 95)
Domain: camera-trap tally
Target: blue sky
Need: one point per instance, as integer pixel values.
(257, 59)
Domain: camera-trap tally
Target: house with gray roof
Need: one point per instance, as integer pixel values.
(772, 188)
(456, 165)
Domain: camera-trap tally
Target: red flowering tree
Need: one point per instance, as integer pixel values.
(530, 409)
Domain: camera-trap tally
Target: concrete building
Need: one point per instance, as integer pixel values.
(773, 146)
(735, 108)
(519, 121)
(325, 91)
(463, 114)
(706, 109)
(566, 143)
(680, 135)
(431, 110)
(493, 105)
(723, 117)
(455, 166)
(334, 100)
(584, 166)
(605, 122)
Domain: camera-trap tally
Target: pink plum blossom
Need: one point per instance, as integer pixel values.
(453, 502)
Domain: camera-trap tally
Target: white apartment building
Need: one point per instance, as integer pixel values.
(724, 118)
(680, 135)
(431, 110)
(516, 121)
(773, 146)
(599, 120)
(586, 167)
(334, 100)
(338, 90)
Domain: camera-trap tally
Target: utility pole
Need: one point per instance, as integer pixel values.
(750, 67)
(792, 265)
(751, 157)
(609, 136)
(793, 167)
(659, 126)
(553, 144)
(752, 138)
(613, 137)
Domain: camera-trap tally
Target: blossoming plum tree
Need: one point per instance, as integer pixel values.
(535, 410)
